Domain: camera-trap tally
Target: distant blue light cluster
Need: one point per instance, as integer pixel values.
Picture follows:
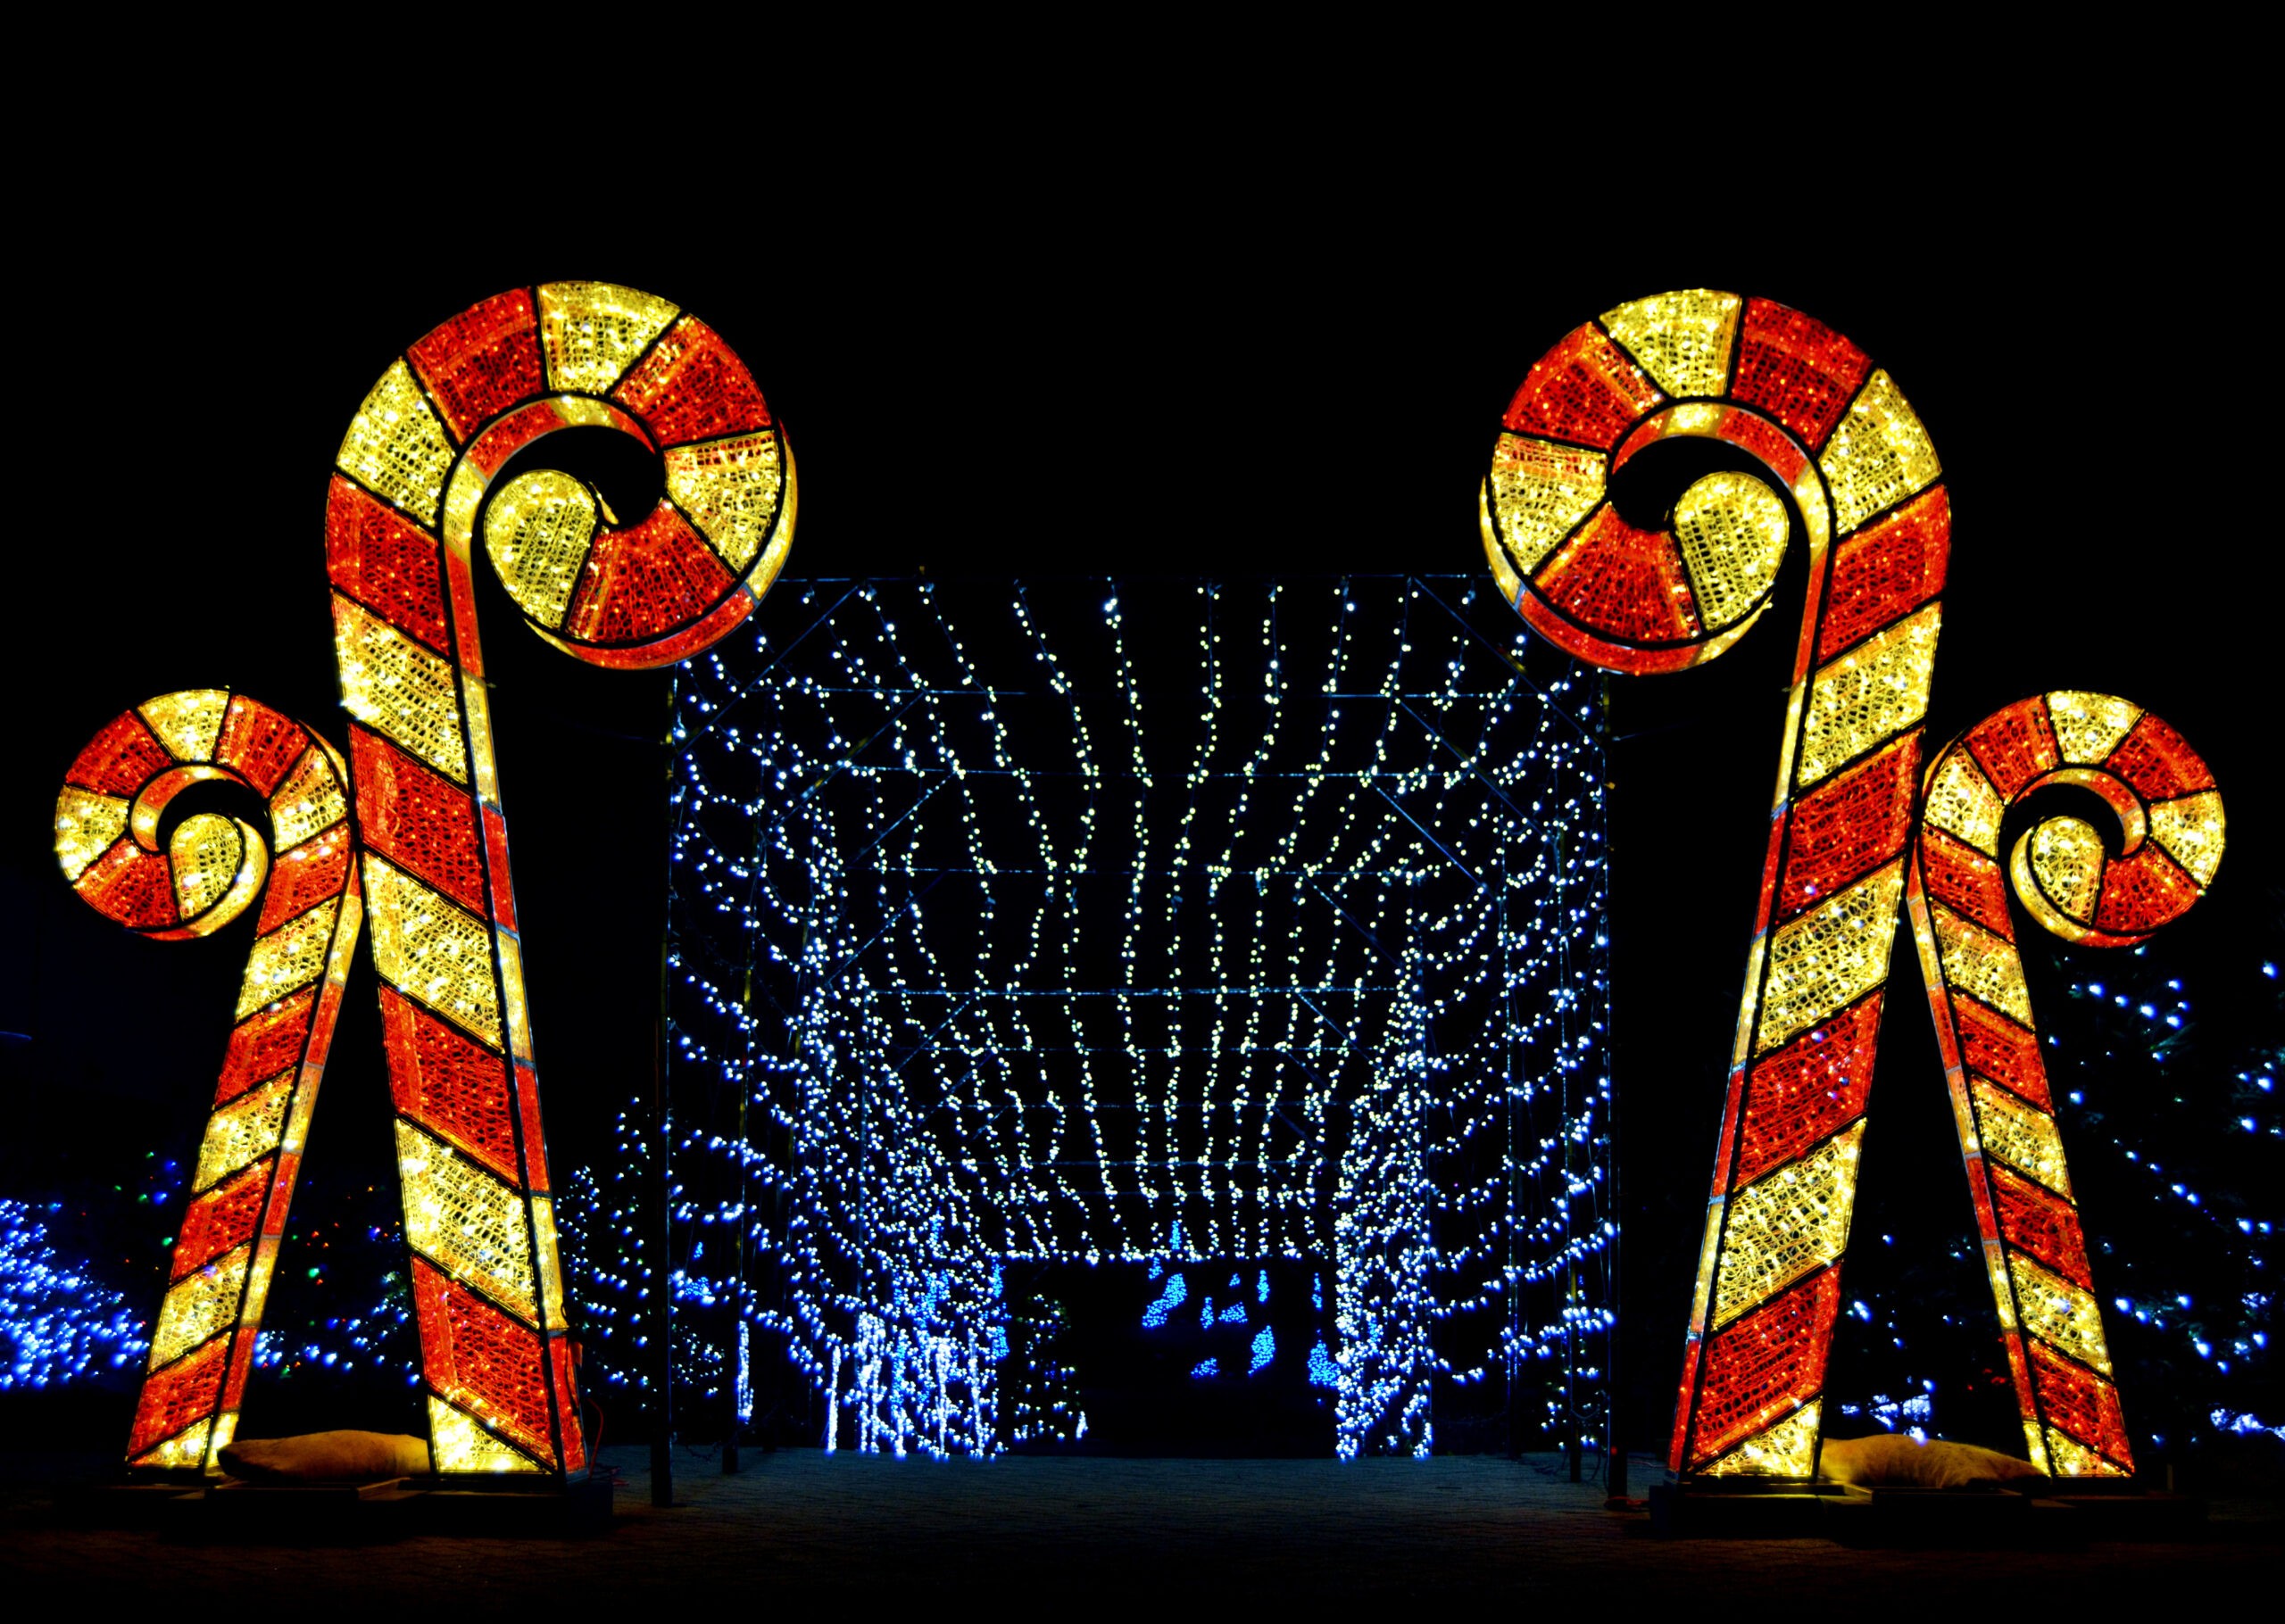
(1169, 1299)
(56, 1323)
(1909, 1414)
(2242, 1422)
(1262, 1350)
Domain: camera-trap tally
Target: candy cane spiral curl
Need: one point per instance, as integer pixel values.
(1829, 430)
(208, 873)
(411, 492)
(2172, 826)
(1833, 432)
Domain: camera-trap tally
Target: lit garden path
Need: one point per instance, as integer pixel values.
(1085, 1533)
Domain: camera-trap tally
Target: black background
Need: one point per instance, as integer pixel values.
(1289, 358)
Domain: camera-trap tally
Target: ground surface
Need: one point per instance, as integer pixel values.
(1126, 1534)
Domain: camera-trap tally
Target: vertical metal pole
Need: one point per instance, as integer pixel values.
(1613, 1389)
(1572, 1419)
(734, 1354)
(661, 1317)
(1614, 1438)
(1507, 1079)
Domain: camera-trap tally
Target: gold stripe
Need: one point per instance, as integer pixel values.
(1869, 695)
(431, 949)
(1981, 964)
(1830, 956)
(538, 531)
(308, 802)
(1962, 802)
(2062, 860)
(1787, 1450)
(2073, 1459)
(465, 1220)
(242, 1132)
(2055, 1311)
(290, 956)
(397, 447)
(186, 1448)
(86, 826)
(189, 723)
(1539, 491)
(198, 1307)
(511, 984)
(458, 1442)
(390, 683)
(2190, 828)
(1879, 454)
(2089, 726)
(2021, 1135)
(1731, 528)
(206, 853)
(591, 332)
(1787, 1224)
(551, 1263)
(1681, 339)
(731, 489)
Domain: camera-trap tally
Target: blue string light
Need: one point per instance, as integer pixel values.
(1033, 924)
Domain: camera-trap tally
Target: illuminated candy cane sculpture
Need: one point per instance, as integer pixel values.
(206, 874)
(2170, 816)
(1836, 435)
(420, 802)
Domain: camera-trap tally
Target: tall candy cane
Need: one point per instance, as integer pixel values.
(412, 484)
(1837, 433)
(1839, 437)
(2171, 820)
(206, 874)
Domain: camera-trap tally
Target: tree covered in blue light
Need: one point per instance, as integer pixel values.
(2164, 1079)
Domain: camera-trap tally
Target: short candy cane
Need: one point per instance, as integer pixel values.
(206, 874)
(2170, 816)
(1835, 432)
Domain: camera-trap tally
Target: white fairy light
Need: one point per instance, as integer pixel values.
(1094, 922)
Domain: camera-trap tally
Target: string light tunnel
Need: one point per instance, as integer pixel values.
(1832, 444)
(1188, 922)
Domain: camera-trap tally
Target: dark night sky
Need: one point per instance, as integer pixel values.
(1261, 363)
